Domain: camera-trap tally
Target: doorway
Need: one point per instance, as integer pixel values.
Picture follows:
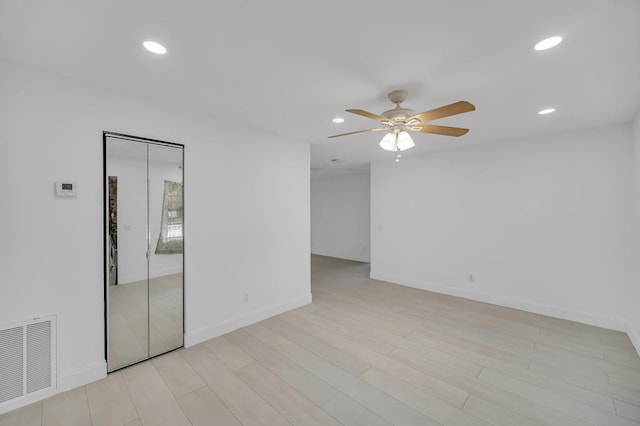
(144, 248)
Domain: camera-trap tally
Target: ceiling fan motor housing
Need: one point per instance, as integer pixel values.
(398, 114)
(397, 96)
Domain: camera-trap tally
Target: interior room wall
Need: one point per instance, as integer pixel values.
(633, 294)
(340, 210)
(247, 232)
(541, 224)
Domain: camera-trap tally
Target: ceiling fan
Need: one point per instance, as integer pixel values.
(399, 121)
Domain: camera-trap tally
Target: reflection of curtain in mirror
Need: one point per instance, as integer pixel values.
(170, 239)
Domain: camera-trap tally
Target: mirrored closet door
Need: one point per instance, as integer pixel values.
(144, 260)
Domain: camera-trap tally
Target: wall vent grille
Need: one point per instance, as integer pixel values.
(11, 363)
(27, 358)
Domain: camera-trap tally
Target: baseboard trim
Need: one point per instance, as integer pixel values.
(345, 257)
(23, 401)
(82, 376)
(66, 381)
(128, 279)
(634, 336)
(231, 324)
(548, 310)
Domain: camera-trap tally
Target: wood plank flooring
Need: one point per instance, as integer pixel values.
(367, 352)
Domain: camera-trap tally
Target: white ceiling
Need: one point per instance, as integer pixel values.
(287, 67)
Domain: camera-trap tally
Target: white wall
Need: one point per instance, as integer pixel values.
(542, 224)
(633, 294)
(246, 205)
(340, 216)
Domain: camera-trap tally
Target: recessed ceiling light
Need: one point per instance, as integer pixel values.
(338, 120)
(154, 47)
(546, 111)
(548, 43)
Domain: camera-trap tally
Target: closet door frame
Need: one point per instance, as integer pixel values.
(105, 244)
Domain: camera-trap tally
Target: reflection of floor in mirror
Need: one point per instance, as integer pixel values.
(134, 335)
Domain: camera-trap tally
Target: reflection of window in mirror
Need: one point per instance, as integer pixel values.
(174, 225)
(170, 238)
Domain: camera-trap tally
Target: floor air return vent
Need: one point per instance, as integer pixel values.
(27, 360)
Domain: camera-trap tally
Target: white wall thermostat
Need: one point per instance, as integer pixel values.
(66, 189)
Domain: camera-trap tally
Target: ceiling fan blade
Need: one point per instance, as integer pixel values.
(358, 131)
(440, 130)
(443, 111)
(368, 114)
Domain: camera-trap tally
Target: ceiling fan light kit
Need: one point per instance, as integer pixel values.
(397, 141)
(399, 121)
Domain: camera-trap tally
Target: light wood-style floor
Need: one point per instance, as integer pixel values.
(372, 353)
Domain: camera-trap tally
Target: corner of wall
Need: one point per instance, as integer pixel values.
(634, 336)
(634, 323)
